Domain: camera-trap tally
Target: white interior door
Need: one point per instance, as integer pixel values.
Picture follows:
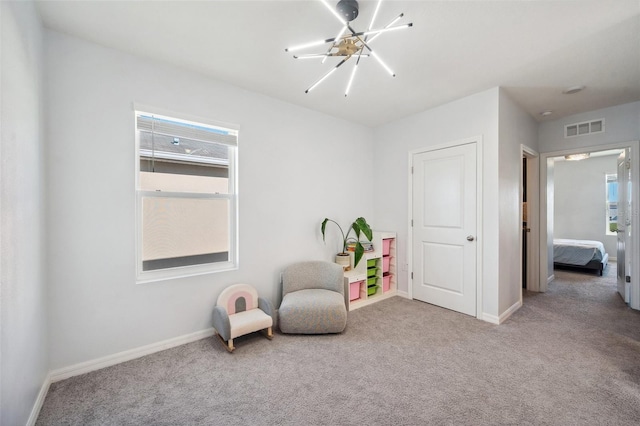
(532, 236)
(624, 223)
(444, 227)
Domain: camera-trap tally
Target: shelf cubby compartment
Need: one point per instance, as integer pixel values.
(355, 290)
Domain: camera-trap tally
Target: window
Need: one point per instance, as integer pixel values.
(186, 197)
(612, 203)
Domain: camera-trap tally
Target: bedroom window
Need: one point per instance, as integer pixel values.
(612, 203)
(186, 197)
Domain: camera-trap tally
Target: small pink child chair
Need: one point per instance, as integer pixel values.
(240, 311)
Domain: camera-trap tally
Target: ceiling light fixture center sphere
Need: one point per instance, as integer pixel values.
(348, 9)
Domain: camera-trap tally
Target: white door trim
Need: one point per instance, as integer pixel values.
(634, 301)
(533, 219)
(479, 172)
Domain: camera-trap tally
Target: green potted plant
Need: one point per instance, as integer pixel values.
(359, 226)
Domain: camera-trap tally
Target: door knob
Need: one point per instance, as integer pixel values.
(470, 238)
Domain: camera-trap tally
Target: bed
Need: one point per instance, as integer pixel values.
(580, 254)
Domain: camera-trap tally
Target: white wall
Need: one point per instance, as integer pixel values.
(622, 124)
(23, 309)
(580, 207)
(296, 166)
(476, 115)
(516, 128)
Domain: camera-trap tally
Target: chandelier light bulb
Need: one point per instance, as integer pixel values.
(385, 66)
(305, 46)
(353, 74)
(375, 13)
(314, 85)
(384, 30)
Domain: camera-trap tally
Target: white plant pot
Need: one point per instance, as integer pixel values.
(344, 260)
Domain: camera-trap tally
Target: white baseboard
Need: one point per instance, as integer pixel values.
(551, 278)
(109, 360)
(490, 318)
(503, 317)
(35, 411)
(506, 314)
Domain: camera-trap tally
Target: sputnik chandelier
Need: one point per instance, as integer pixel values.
(349, 43)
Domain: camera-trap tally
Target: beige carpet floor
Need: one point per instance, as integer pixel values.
(570, 356)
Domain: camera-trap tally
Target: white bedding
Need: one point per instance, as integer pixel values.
(577, 252)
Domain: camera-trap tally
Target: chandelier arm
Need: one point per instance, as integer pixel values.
(353, 74)
(311, 56)
(353, 32)
(375, 55)
(373, 18)
(396, 19)
(380, 31)
(364, 43)
(311, 44)
(324, 77)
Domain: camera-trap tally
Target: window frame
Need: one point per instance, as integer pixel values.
(232, 263)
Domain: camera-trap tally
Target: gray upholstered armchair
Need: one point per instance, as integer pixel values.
(313, 299)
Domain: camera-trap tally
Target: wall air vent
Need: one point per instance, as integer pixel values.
(584, 128)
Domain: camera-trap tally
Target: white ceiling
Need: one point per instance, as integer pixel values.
(534, 49)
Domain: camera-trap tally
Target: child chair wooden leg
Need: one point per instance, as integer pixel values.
(268, 333)
(227, 345)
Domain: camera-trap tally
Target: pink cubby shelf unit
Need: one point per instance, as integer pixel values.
(377, 268)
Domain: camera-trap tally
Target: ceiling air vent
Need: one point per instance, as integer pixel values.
(584, 128)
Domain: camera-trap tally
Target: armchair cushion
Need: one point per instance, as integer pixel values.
(248, 321)
(313, 311)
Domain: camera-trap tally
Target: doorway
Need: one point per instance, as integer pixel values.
(529, 208)
(546, 230)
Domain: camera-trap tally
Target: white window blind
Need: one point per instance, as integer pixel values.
(187, 203)
(160, 125)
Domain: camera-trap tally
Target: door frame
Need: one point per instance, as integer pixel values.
(479, 173)
(634, 299)
(533, 218)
